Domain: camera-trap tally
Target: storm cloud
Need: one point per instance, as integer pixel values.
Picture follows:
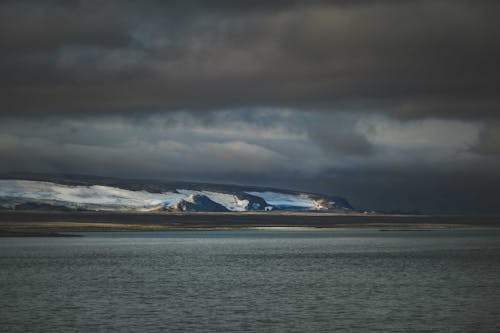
(394, 104)
(411, 59)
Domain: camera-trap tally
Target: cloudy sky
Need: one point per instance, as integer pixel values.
(392, 104)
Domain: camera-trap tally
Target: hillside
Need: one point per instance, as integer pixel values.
(42, 192)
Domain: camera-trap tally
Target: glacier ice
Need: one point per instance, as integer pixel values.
(100, 197)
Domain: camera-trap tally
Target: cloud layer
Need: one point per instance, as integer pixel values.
(406, 58)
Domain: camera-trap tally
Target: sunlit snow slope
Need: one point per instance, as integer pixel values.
(291, 201)
(18, 194)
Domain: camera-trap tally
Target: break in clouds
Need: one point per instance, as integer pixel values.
(393, 104)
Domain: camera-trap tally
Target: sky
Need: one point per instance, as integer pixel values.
(394, 105)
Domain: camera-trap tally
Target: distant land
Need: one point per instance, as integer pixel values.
(51, 206)
(90, 193)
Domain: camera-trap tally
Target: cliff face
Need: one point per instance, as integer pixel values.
(198, 203)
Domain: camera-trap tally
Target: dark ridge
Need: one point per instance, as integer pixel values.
(199, 203)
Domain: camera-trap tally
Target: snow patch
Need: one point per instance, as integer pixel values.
(101, 197)
(97, 196)
(230, 201)
(284, 200)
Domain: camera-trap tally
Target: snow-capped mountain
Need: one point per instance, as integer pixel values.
(103, 194)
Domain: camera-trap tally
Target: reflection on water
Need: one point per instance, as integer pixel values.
(314, 281)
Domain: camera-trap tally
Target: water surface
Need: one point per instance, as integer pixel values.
(272, 281)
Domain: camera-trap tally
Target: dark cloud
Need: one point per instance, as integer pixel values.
(410, 59)
(35, 26)
(420, 187)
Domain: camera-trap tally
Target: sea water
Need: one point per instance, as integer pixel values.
(253, 281)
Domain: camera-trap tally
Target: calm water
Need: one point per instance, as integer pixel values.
(263, 281)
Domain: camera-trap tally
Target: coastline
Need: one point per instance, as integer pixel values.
(56, 224)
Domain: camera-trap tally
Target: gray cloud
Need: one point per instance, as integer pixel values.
(337, 134)
(489, 140)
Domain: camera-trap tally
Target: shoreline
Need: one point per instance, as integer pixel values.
(62, 232)
(53, 224)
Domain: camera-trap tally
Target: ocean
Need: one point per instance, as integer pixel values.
(354, 280)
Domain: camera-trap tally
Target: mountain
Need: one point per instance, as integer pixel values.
(65, 192)
(198, 203)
